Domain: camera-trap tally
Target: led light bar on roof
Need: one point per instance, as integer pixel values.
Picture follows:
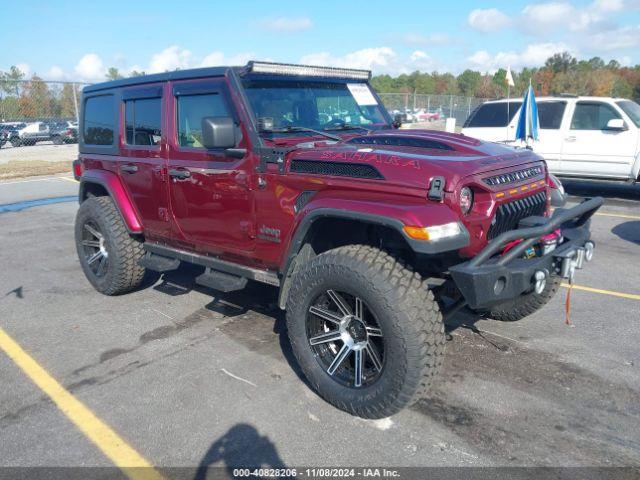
(307, 71)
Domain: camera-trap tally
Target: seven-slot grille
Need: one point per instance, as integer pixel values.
(508, 215)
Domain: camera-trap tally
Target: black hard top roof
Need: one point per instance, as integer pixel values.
(160, 77)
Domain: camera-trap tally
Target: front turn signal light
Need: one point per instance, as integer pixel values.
(433, 233)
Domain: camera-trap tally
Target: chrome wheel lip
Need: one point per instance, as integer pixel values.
(352, 354)
(96, 255)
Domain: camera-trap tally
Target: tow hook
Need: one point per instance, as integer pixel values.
(575, 260)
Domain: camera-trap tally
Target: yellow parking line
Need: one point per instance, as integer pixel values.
(112, 445)
(69, 179)
(631, 296)
(617, 215)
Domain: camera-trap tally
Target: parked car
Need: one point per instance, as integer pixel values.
(57, 131)
(63, 132)
(584, 137)
(232, 169)
(10, 130)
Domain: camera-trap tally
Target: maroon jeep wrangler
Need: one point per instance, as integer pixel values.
(297, 177)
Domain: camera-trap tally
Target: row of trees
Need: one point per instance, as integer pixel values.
(561, 73)
(24, 99)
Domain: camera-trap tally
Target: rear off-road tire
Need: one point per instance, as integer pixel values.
(524, 305)
(108, 253)
(391, 317)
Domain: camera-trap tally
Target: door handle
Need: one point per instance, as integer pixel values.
(570, 139)
(179, 174)
(129, 168)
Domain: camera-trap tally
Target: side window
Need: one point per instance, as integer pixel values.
(497, 114)
(550, 114)
(142, 121)
(592, 116)
(191, 110)
(99, 113)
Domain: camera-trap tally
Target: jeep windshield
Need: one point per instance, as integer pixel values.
(285, 107)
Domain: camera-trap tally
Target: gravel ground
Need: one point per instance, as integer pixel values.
(191, 377)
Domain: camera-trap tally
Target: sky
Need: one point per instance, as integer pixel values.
(81, 40)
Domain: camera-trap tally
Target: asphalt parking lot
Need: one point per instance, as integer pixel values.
(189, 377)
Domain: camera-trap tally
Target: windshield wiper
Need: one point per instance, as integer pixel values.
(302, 129)
(346, 126)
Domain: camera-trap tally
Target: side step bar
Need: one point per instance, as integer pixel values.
(158, 263)
(212, 263)
(223, 282)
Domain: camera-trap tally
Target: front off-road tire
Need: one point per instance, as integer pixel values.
(108, 254)
(524, 305)
(391, 335)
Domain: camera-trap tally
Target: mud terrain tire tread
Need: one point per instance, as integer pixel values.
(526, 304)
(408, 311)
(124, 274)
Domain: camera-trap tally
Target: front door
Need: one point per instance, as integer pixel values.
(590, 149)
(211, 199)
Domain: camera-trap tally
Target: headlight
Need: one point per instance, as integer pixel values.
(466, 200)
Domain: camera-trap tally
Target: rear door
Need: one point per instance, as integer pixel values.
(590, 149)
(211, 199)
(550, 135)
(142, 164)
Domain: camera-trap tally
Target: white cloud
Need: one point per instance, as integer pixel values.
(171, 58)
(542, 18)
(90, 68)
(488, 20)
(609, 5)
(533, 55)
(287, 24)
(378, 59)
(55, 73)
(620, 39)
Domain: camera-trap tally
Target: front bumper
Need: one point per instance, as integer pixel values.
(488, 279)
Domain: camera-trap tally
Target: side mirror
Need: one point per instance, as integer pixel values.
(616, 124)
(218, 132)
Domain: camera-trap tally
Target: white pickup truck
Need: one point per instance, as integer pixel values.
(583, 137)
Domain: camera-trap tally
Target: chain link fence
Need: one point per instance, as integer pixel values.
(421, 107)
(38, 126)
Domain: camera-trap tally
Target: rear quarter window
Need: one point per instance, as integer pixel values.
(493, 115)
(99, 120)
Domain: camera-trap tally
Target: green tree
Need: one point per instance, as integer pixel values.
(113, 74)
(468, 82)
(561, 62)
(10, 81)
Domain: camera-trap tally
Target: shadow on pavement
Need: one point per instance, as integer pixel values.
(255, 298)
(241, 447)
(629, 231)
(608, 190)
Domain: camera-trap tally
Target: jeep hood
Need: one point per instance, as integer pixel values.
(413, 157)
